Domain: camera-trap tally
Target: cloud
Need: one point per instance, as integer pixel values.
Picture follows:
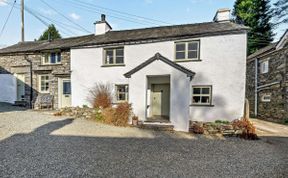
(2, 46)
(74, 16)
(3, 2)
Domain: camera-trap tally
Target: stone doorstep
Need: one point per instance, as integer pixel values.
(156, 126)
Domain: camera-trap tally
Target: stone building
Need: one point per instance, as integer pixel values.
(30, 68)
(267, 81)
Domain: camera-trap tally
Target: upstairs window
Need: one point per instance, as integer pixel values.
(122, 93)
(264, 67)
(187, 51)
(51, 58)
(114, 56)
(201, 95)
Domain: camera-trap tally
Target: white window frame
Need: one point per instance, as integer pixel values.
(264, 67)
(114, 49)
(187, 50)
(40, 83)
(126, 92)
(202, 95)
(46, 58)
(265, 99)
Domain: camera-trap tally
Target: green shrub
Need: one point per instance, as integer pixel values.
(222, 122)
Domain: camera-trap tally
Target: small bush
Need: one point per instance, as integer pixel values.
(197, 129)
(122, 113)
(100, 96)
(98, 116)
(222, 122)
(118, 116)
(247, 127)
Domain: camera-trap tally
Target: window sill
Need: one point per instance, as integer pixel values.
(202, 105)
(188, 60)
(113, 65)
(50, 64)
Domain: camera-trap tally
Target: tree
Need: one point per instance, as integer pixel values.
(257, 15)
(281, 12)
(51, 33)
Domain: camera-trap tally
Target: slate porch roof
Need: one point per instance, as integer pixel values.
(158, 56)
(123, 36)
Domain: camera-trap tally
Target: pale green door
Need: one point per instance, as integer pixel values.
(160, 100)
(64, 92)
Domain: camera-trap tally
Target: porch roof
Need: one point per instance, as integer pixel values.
(158, 56)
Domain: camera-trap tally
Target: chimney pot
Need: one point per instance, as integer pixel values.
(103, 17)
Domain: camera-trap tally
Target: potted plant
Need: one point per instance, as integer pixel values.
(135, 120)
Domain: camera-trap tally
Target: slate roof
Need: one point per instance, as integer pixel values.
(158, 56)
(111, 37)
(264, 50)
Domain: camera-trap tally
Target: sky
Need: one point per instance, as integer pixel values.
(76, 17)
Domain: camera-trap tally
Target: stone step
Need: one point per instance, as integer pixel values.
(157, 126)
(20, 103)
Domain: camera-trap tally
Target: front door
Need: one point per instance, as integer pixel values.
(160, 101)
(64, 92)
(20, 82)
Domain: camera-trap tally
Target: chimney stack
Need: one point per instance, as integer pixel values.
(102, 27)
(222, 15)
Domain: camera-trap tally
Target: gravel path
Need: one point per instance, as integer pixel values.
(34, 144)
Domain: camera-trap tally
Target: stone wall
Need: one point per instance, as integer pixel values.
(277, 108)
(250, 86)
(16, 63)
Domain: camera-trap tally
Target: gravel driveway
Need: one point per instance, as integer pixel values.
(37, 144)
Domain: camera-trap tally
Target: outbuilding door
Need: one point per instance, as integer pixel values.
(20, 82)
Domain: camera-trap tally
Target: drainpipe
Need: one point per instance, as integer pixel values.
(256, 86)
(31, 80)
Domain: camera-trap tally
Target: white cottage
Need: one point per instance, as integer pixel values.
(169, 74)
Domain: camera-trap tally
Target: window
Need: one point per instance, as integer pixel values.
(114, 56)
(266, 98)
(187, 50)
(51, 58)
(44, 83)
(201, 95)
(264, 67)
(66, 87)
(122, 93)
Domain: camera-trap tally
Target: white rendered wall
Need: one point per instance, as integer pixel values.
(223, 66)
(7, 88)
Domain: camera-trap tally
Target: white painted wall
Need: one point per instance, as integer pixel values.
(223, 65)
(8, 92)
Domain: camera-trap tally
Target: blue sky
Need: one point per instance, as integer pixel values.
(168, 11)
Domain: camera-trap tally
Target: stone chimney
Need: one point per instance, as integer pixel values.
(101, 27)
(222, 15)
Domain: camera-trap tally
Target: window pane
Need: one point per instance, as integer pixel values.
(193, 46)
(58, 57)
(196, 91)
(119, 52)
(66, 88)
(192, 54)
(109, 57)
(53, 58)
(196, 99)
(122, 92)
(206, 91)
(205, 99)
(180, 55)
(119, 60)
(180, 47)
